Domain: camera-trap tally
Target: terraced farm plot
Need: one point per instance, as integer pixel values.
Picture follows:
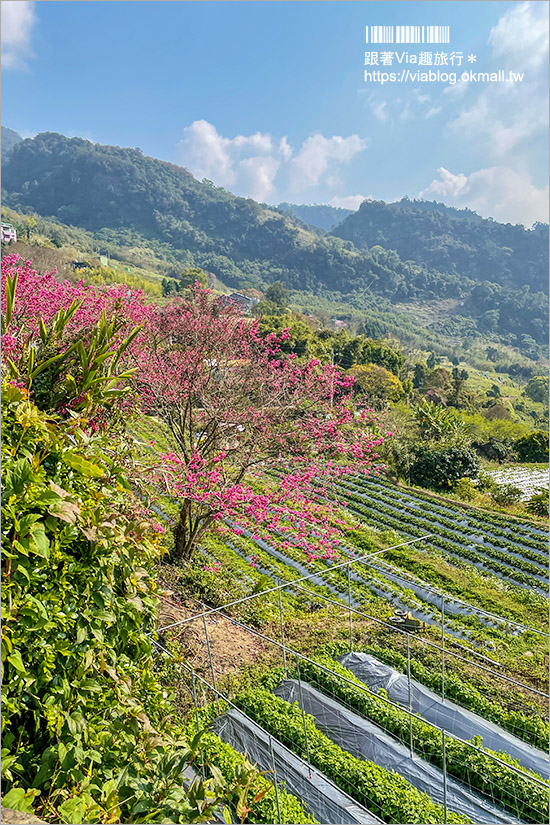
(529, 481)
(513, 550)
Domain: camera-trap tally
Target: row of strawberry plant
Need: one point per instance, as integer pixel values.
(412, 528)
(383, 792)
(370, 585)
(531, 729)
(494, 523)
(414, 531)
(514, 546)
(514, 792)
(447, 528)
(254, 799)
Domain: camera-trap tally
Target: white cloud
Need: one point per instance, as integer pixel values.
(349, 201)
(505, 116)
(18, 19)
(380, 111)
(249, 164)
(496, 192)
(521, 36)
(317, 154)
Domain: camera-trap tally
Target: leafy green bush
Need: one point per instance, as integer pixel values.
(82, 708)
(465, 489)
(533, 447)
(440, 467)
(506, 494)
(485, 482)
(537, 388)
(538, 503)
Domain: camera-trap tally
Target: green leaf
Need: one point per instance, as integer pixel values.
(76, 722)
(20, 800)
(10, 288)
(82, 465)
(17, 662)
(40, 540)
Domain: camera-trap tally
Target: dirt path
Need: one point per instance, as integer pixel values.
(231, 646)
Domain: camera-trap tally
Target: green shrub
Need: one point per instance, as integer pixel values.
(537, 388)
(533, 447)
(506, 494)
(538, 503)
(440, 467)
(485, 482)
(82, 711)
(465, 489)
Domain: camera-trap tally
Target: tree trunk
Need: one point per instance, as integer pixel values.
(183, 545)
(187, 532)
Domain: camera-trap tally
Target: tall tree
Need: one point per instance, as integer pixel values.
(254, 430)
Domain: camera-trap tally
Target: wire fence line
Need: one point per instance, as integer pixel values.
(291, 652)
(352, 611)
(459, 770)
(218, 697)
(300, 578)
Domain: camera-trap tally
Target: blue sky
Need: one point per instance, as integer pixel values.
(269, 99)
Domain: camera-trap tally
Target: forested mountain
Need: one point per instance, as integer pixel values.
(452, 240)
(9, 139)
(320, 215)
(441, 254)
(93, 186)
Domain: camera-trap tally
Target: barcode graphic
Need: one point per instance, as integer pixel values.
(407, 34)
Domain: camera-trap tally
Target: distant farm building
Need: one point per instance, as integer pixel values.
(243, 302)
(9, 235)
(89, 263)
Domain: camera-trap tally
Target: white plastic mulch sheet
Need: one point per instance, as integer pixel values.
(447, 715)
(364, 740)
(324, 800)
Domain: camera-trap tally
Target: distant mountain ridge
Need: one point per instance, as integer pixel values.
(321, 215)
(452, 240)
(397, 253)
(9, 139)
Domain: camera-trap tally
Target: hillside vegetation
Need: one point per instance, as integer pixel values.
(117, 193)
(506, 266)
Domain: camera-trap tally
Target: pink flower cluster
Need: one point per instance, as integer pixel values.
(258, 433)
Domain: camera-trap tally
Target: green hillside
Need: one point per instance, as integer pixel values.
(128, 199)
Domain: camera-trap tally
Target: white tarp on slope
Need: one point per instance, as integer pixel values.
(324, 800)
(365, 740)
(447, 715)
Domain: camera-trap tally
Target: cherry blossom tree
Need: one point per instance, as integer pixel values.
(254, 433)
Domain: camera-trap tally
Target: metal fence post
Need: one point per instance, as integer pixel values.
(211, 661)
(282, 630)
(275, 780)
(350, 611)
(197, 722)
(303, 712)
(409, 690)
(444, 777)
(443, 648)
